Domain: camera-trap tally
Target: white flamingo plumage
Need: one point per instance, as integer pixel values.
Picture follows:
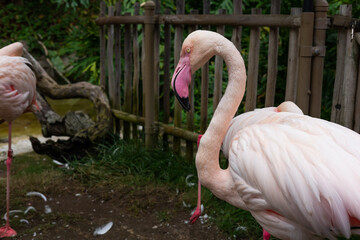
(17, 95)
(297, 175)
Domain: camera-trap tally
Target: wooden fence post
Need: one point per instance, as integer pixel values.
(127, 77)
(357, 100)
(118, 72)
(204, 81)
(346, 75)
(293, 60)
(218, 69)
(253, 66)
(272, 58)
(149, 74)
(321, 25)
(190, 114)
(304, 73)
(102, 47)
(350, 77)
(236, 35)
(180, 9)
(167, 78)
(136, 76)
(110, 61)
(157, 61)
(339, 74)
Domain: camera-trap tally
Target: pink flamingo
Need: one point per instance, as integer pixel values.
(17, 95)
(297, 175)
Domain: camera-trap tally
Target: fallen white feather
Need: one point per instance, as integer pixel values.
(57, 162)
(242, 228)
(29, 208)
(190, 184)
(103, 229)
(186, 205)
(47, 209)
(65, 165)
(12, 212)
(37, 194)
(24, 221)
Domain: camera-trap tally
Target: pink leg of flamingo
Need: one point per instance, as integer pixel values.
(197, 212)
(7, 231)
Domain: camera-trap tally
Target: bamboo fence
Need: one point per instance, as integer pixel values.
(138, 95)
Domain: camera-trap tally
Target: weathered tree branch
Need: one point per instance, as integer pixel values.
(83, 135)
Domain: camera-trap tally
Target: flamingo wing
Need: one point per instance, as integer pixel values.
(306, 170)
(17, 87)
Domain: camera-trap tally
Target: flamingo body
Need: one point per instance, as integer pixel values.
(17, 95)
(299, 171)
(297, 175)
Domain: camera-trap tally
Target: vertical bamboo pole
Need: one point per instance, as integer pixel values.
(357, 101)
(110, 62)
(236, 35)
(204, 80)
(167, 78)
(340, 62)
(136, 76)
(180, 9)
(272, 58)
(304, 73)
(149, 74)
(218, 68)
(253, 68)
(337, 104)
(190, 114)
(321, 8)
(117, 80)
(127, 76)
(350, 76)
(157, 61)
(102, 47)
(143, 53)
(293, 60)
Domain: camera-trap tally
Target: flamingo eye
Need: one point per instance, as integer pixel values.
(188, 50)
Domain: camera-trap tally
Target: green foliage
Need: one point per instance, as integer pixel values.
(66, 28)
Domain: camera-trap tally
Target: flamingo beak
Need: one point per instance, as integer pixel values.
(181, 80)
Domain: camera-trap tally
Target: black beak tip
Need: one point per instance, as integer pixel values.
(184, 102)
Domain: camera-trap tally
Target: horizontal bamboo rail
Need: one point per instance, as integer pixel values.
(174, 131)
(252, 20)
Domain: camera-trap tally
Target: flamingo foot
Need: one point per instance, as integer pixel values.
(266, 235)
(195, 215)
(7, 231)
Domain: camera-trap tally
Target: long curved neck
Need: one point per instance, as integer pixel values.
(220, 181)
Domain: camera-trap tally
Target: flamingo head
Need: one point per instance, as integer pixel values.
(196, 50)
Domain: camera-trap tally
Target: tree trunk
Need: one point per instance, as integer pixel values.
(83, 132)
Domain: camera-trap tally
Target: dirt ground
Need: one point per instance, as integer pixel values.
(144, 212)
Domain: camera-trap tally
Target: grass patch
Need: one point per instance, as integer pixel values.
(132, 164)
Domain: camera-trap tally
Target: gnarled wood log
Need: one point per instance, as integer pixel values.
(83, 132)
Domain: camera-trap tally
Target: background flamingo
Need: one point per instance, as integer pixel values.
(297, 175)
(17, 95)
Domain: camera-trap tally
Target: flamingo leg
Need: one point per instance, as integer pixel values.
(266, 235)
(197, 212)
(7, 231)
